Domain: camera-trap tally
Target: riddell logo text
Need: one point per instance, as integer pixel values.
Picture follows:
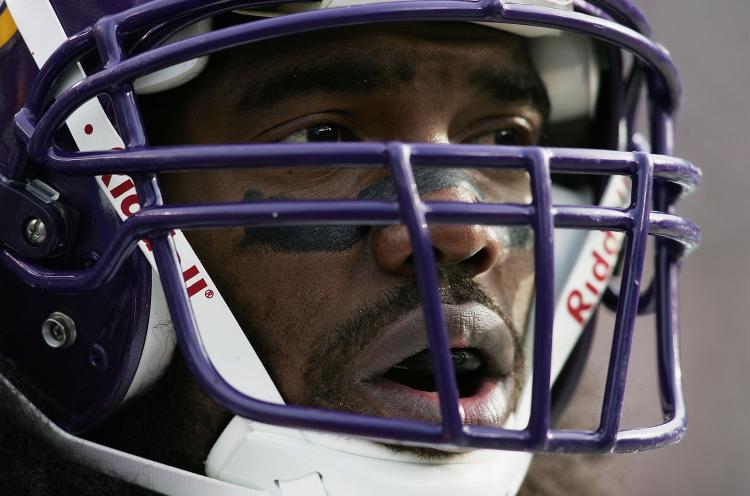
(582, 301)
(123, 191)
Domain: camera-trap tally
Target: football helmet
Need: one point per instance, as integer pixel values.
(99, 282)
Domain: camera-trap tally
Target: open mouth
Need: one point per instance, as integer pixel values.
(416, 371)
(396, 378)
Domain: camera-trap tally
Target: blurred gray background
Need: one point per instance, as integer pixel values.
(710, 43)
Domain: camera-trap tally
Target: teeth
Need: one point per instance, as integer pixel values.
(466, 360)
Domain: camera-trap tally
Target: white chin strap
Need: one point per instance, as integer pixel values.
(290, 463)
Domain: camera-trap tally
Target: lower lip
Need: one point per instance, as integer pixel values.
(487, 407)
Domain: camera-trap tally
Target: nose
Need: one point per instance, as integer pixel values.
(470, 249)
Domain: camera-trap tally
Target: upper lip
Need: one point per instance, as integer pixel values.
(469, 325)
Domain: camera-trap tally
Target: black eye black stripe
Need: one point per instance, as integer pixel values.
(324, 238)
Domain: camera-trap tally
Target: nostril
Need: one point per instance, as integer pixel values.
(470, 249)
(472, 265)
(478, 262)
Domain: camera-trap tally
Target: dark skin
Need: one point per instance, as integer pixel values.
(315, 309)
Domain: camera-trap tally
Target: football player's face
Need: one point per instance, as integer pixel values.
(334, 311)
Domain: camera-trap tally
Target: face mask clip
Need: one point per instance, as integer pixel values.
(34, 222)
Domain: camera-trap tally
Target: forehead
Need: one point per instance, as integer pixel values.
(405, 45)
(434, 57)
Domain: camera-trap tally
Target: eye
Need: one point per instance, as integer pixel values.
(506, 136)
(319, 133)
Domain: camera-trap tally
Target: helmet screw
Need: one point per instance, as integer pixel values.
(35, 231)
(59, 330)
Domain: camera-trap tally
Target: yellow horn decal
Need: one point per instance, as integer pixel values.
(7, 27)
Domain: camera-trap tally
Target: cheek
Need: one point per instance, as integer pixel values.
(511, 284)
(523, 299)
(285, 302)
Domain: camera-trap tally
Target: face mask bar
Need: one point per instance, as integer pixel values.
(648, 213)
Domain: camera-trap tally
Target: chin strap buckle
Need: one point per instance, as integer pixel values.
(307, 485)
(33, 221)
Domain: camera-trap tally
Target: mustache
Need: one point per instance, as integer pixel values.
(349, 338)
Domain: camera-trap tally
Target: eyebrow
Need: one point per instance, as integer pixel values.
(512, 86)
(338, 74)
(354, 73)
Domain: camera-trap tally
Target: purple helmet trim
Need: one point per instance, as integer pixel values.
(657, 181)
